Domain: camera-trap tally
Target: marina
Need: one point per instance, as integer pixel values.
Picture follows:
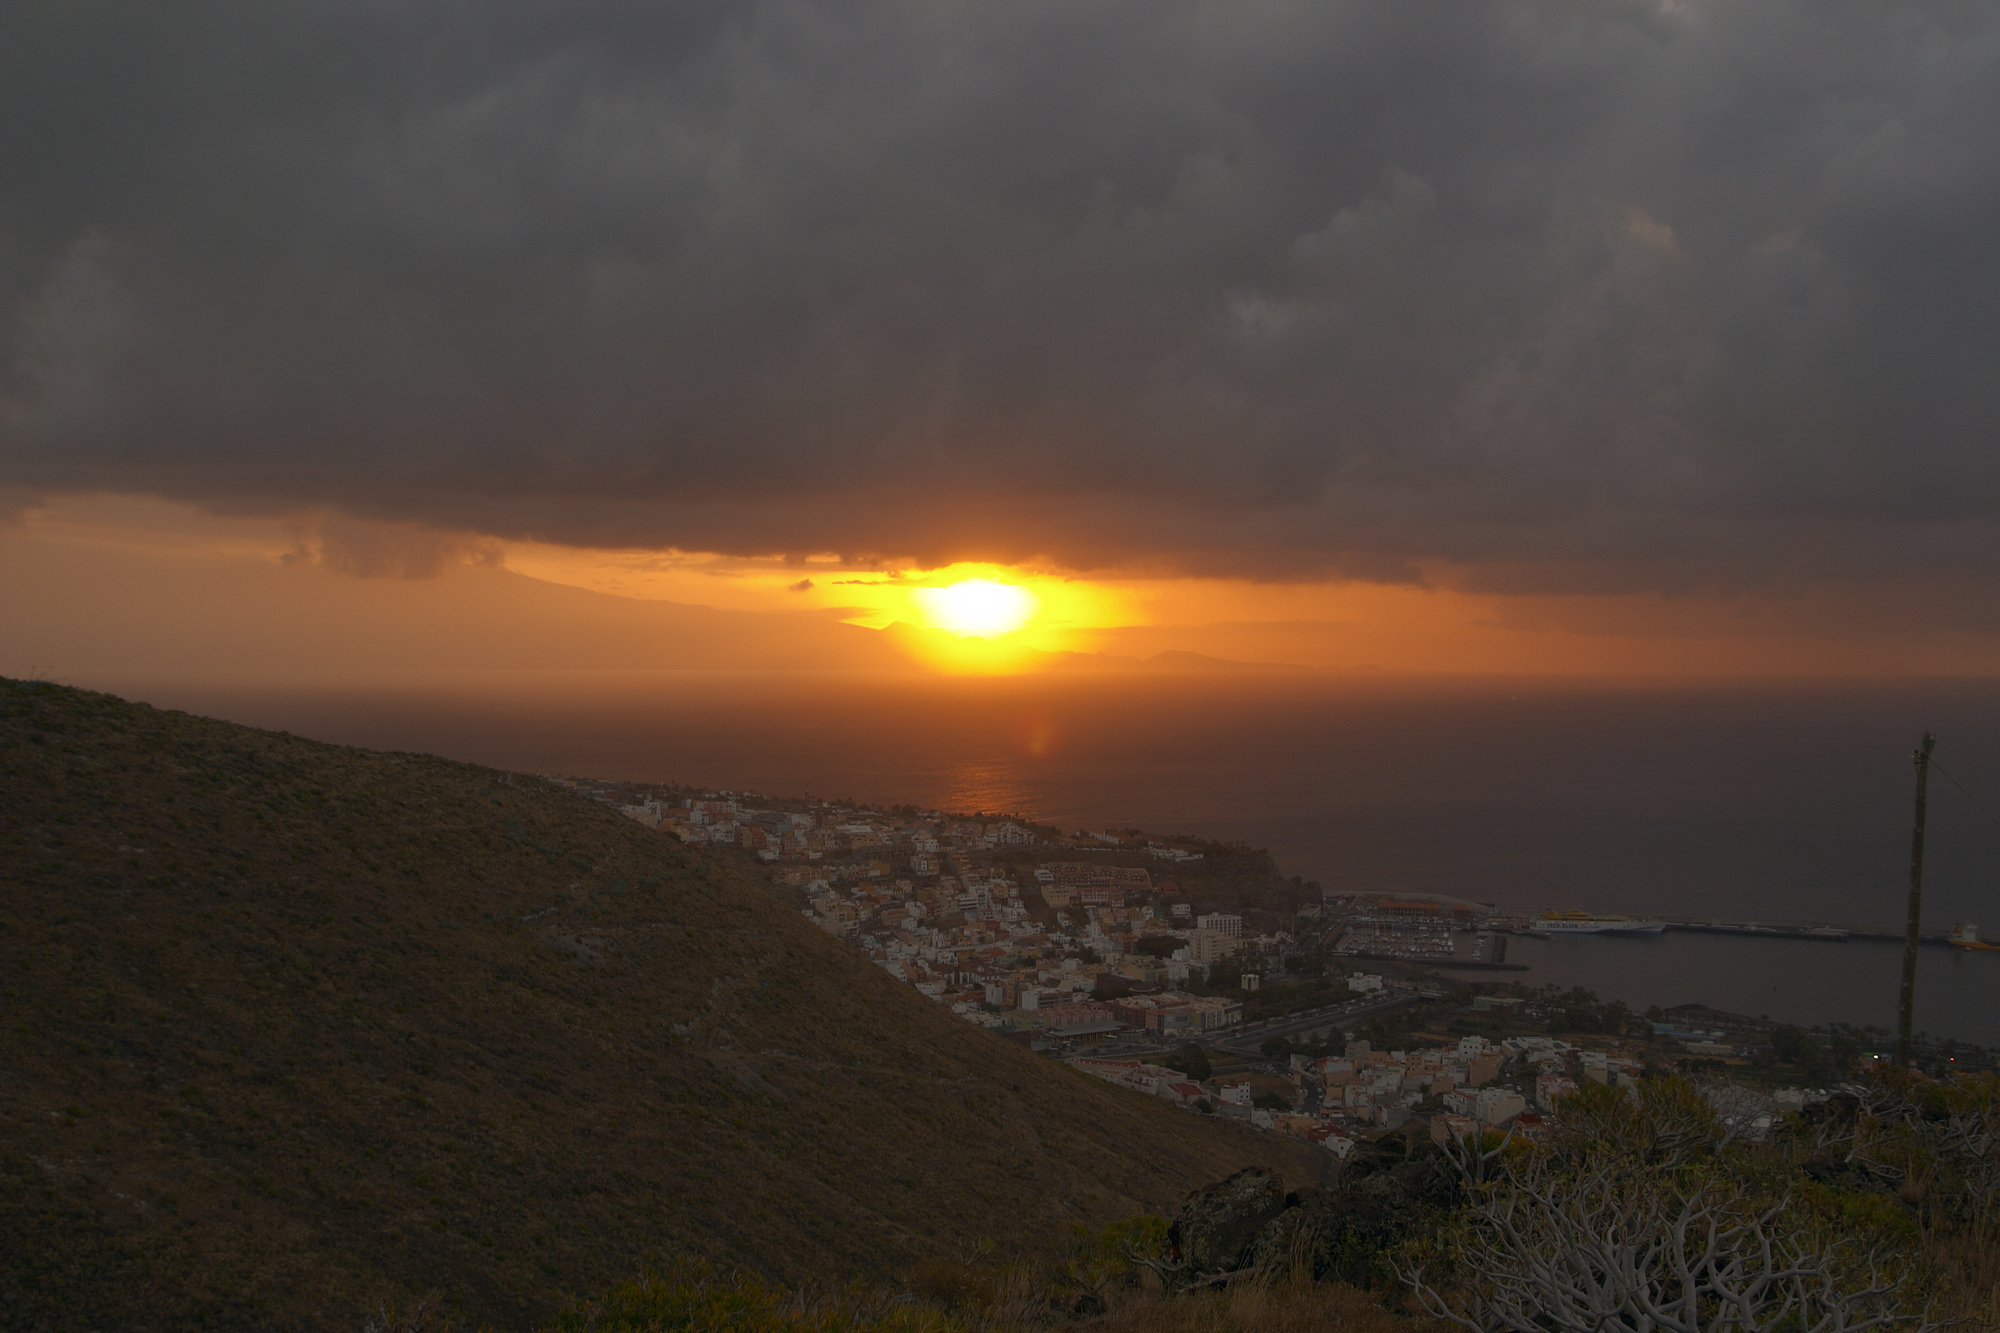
(1792, 979)
(1553, 922)
(1773, 967)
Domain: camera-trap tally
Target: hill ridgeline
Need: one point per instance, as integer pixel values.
(287, 1028)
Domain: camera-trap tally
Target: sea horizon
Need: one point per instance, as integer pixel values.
(1744, 801)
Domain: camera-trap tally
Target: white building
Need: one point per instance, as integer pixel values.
(1209, 946)
(1227, 923)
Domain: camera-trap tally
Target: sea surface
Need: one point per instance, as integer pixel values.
(1764, 801)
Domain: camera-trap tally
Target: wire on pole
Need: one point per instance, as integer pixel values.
(1968, 795)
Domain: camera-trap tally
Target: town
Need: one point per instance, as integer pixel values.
(1195, 973)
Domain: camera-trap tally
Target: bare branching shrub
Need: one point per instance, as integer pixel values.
(1946, 1144)
(1939, 1141)
(1966, 1139)
(1741, 1114)
(1560, 1247)
(1828, 1132)
(1482, 1155)
(1169, 1270)
(1884, 1134)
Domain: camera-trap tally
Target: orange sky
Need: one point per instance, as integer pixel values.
(1302, 334)
(119, 583)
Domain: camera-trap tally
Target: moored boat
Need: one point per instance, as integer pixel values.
(1965, 935)
(1589, 923)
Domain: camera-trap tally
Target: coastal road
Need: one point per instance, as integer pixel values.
(1246, 1039)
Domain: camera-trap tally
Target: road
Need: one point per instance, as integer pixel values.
(1247, 1039)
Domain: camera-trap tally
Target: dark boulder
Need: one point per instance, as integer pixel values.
(1218, 1227)
(1343, 1234)
(1285, 1244)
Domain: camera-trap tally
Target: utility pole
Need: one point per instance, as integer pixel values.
(1906, 1006)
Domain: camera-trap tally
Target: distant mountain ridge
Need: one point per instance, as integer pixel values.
(289, 1026)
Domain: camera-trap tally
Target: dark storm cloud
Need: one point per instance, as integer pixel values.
(1593, 295)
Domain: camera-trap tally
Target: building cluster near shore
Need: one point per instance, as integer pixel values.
(991, 918)
(1017, 929)
(1335, 1100)
(1513, 1086)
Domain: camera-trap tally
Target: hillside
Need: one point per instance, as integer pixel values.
(286, 1027)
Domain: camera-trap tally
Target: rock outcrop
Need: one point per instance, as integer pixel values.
(1219, 1225)
(1248, 1222)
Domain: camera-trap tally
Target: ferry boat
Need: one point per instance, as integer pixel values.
(1965, 935)
(1587, 923)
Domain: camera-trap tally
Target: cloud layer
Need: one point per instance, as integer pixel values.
(1585, 295)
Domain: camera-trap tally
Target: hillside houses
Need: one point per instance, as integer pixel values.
(932, 900)
(1334, 1101)
(1055, 947)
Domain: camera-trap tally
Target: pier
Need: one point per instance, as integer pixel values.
(1830, 932)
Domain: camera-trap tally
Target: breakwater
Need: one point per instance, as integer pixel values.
(1790, 980)
(1797, 930)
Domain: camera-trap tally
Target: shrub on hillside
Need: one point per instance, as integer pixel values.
(1666, 1207)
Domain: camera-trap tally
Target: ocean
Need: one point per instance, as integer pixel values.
(1762, 801)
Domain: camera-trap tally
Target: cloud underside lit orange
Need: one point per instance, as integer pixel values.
(112, 584)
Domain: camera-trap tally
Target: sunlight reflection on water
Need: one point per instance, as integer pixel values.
(989, 786)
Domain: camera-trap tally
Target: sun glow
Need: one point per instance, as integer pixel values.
(977, 606)
(966, 617)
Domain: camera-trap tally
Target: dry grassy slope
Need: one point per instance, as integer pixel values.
(284, 1026)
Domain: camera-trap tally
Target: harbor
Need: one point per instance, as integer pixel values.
(1458, 932)
(1780, 968)
(1829, 932)
(1788, 978)
(1552, 923)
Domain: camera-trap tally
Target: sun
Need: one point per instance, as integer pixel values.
(978, 606)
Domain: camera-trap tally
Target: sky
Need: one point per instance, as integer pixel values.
(1589, 338)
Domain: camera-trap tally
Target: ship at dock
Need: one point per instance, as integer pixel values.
(1553, 922)
(1965, 935)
